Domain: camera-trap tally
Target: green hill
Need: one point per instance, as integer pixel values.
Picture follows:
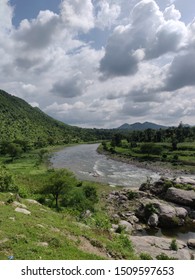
(19, 120)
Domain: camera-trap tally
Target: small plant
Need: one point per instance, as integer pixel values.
(173, 245)
(163, 256)
(120, 229)
(131, 195)
(150, 209)
(145, 256)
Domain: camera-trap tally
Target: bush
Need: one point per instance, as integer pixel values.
(163, 256)
(6, 181)
(150, 209)
(145, 256)
(131, 195)
(173, 245)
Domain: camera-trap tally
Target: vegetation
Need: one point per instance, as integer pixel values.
(23, 127)
(75, 227)
(174, 146)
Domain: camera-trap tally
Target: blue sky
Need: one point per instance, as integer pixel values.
(101, 63)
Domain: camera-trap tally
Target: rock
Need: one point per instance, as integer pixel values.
(181, 212)
(32, 201)
(155, 246)
(2, 203)
(128, 227)
(191, 243)
(181, 197)
(168, 215)
(22, 210)
(43, 244)
(192, 214)
(12, 218)
(185, 180)
(18, 204)
(153, 220)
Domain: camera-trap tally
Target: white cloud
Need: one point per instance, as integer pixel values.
(147, 68)
(107, 14)
(78, 15)
(6, 14)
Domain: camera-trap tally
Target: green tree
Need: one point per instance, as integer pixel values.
(151, 149)
(6, 181)
(59, 183)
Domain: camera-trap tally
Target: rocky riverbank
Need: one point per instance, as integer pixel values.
(163, 168)
(164, 204)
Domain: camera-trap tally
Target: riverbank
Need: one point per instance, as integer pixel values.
(155, 218)
(163, 168)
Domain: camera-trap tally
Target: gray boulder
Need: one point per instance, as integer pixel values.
(191, 243)
(153, 220)
(127, 226)
(181, 197)
(155, 246)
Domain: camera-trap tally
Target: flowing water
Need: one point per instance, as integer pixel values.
(87, 164)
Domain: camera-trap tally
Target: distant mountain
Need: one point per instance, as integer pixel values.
(141, 126)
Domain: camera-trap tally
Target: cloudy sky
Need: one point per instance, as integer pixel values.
(101, 63)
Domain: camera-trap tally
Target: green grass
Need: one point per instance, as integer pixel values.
(185, 153)
(23, 236)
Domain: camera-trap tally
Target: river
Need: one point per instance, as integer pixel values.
(87, 164)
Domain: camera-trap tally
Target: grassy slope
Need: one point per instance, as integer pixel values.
(66, 237)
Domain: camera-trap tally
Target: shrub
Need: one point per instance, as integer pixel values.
(173, 245)
(163, 256)
(145, 256)
(150, 209)
(6, 181)
(131, 195)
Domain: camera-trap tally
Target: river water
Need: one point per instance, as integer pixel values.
(87, 164)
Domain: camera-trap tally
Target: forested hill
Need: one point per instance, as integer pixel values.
(20, 121)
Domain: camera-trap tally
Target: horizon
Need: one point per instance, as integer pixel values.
(100, 64)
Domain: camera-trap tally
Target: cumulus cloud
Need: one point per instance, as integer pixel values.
(181, 72)
(78, 15)
(6, 14)
(149, 32)
(107, 14)
(147, 66)
(38, 33)
(70, 87)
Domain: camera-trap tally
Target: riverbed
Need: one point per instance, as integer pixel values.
(87, 164)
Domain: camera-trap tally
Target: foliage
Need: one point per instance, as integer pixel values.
(59, 183)
(163, 256)
(145, 256)
(151, 149)
(173, 245)
(6, 181)
(29, 127)
(150, 209)
(132, 195)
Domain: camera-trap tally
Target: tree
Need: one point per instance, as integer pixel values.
(59, 183)
(6, 181)
(151, 148)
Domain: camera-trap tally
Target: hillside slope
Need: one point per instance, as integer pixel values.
(19, 120)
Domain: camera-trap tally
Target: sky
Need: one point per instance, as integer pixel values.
(101, 63)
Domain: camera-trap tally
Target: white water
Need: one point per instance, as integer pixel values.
(87, 164)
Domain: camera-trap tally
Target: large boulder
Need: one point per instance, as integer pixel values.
(168, 215)
(155, 246)
(191, 243)
(181, 197)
